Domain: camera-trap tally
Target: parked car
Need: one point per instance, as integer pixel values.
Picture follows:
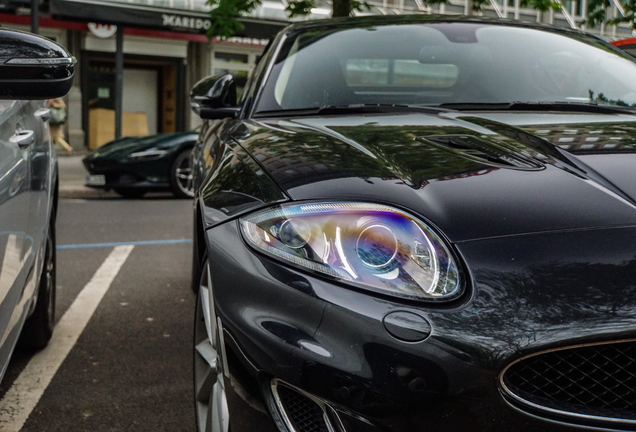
(32, 70)
(132, 166)
(418, 224)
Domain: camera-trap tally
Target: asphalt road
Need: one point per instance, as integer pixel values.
(131, 366)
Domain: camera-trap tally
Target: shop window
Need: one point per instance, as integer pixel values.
(231, 57)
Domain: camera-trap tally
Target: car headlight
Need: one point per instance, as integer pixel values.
(371, 246)
(153, 152)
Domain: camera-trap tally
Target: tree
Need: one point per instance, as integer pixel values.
(540, 5)
(596, 13)
(225, 13)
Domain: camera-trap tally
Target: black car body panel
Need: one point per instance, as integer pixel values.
(538, 208)
(232, 180)
(331, 341)
(387, 156)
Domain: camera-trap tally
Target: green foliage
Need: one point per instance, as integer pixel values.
(225, 13)
(604, 100)
(540, 5)
(596, 13)
(224, 16)
(300, 8)
(478, 4)
(630, 15)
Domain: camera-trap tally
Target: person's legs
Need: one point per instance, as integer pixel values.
(64, 144)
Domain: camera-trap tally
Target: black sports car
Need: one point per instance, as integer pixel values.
(132, 166)
(418, 224)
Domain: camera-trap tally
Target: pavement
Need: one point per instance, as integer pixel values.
(72, 178)
(130, 368)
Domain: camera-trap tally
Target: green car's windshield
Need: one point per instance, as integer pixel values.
(445, 63)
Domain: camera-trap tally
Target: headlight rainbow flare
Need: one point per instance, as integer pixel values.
(371, 246)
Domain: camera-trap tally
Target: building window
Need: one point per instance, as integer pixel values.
(236, 60)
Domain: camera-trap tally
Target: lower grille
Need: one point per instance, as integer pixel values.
(300, 411)
(597, 381)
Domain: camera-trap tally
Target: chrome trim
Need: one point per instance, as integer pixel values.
(51, 61)
(522, 401)
(322, 405)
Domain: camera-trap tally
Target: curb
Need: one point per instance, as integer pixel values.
(83, 192)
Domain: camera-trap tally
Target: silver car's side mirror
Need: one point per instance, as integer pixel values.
(33, 67)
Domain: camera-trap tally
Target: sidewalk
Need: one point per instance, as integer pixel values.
(72, 178)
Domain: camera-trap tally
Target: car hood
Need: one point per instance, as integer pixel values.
(473, 175)
(122, 147)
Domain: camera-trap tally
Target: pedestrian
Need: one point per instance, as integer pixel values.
(57, 121)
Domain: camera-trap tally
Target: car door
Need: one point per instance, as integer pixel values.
(16, 245)
(34, 119)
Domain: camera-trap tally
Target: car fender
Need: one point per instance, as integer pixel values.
(233, 181)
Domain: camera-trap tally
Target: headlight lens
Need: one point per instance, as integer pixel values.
(371, 246)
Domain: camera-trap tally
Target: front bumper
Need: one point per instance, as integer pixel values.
(143, 175)
(527, 294)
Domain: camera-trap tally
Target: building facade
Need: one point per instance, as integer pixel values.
(166, 51)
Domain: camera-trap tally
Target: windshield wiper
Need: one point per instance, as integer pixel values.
(540, 106)
(353, 109)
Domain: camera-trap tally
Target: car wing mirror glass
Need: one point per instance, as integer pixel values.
(214, 97)
(33, 67)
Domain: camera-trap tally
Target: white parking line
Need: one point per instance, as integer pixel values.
(24, 394)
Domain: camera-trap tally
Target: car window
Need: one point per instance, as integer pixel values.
(432, 64)
(411, 73)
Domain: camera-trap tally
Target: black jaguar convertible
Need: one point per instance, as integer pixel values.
(133, 166)
(415, 224)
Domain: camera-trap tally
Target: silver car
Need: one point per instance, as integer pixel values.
(32, 70)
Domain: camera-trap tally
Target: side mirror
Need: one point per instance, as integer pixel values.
(214, 97)
(33, 67)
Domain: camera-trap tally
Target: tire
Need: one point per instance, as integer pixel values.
(130, 193)
(38, 328)
(211, 408)
(181, 175)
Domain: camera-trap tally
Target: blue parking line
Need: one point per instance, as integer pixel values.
(137, 243)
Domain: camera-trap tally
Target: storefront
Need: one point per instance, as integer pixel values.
(154, 87)
(165, 51)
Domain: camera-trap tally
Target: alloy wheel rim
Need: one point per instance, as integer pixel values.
(184, 177)
(211, 401)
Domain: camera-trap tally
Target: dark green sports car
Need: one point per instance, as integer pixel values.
(132, 166)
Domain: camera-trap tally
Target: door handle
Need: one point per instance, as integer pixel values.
(44, 114)
(23, 138)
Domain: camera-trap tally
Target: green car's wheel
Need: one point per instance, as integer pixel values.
(181, 175)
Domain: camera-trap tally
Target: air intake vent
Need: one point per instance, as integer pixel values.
(301, 411)
(485, 151)
(596, 382)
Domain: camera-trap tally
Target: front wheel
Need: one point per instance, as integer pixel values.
(38, 329)
(181, 175)
(209, 386)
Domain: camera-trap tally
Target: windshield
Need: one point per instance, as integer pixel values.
(441, 63)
